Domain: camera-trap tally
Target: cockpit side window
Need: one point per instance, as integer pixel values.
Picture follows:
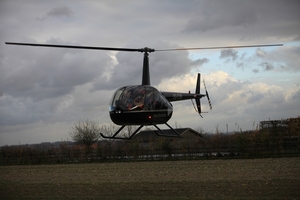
(115, 99)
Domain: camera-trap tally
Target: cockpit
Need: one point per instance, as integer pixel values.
(138, 97)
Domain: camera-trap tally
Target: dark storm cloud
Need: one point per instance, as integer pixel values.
(241, 65)
(59, 11)
(243, 15)
(41, 73)
(229, 54)
(281, 59)
(24, 110)
(254, 19)
(297, 38)
(292, 58)
(199, 62)
(267, 66)
(285, 58)
(260, 52)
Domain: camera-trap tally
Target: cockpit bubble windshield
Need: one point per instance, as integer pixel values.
(141, 97)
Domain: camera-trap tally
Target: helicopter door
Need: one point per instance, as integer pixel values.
(154, 100)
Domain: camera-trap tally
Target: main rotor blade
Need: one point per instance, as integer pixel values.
(145, 49)
(224, 47)
(74, 47)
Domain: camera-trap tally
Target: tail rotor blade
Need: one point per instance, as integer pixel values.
(198, 105)
(209, 102)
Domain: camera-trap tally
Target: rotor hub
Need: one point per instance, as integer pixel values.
(146, 50)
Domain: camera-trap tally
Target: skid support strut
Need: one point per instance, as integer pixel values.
(163, 133)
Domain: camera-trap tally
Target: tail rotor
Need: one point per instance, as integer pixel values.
(198, 96)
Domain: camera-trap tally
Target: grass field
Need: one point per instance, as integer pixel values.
(276, 178)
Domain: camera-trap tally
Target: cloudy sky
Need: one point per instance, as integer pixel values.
(44, 91)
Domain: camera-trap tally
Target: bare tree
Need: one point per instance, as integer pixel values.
(85, 132)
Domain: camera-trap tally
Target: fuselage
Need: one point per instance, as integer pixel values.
(144, 105)
(139, 105)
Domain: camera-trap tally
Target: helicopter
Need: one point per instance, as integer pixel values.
(143, 105)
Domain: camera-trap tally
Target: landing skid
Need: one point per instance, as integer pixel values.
(158, 133)
(118, 131)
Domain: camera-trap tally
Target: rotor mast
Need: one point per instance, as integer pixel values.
(146, 73)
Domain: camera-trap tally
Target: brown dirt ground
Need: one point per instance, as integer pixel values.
(272, 178)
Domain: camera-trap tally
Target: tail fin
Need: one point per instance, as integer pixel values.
(198, 92)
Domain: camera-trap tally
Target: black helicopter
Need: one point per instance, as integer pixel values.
(143, 104)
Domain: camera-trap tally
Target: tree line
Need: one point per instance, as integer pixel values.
(271, 141)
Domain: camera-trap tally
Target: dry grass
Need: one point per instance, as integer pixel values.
(277, 178)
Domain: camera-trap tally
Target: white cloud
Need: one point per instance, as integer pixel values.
(58, 11)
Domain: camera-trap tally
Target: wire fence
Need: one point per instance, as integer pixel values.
(239, 145)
